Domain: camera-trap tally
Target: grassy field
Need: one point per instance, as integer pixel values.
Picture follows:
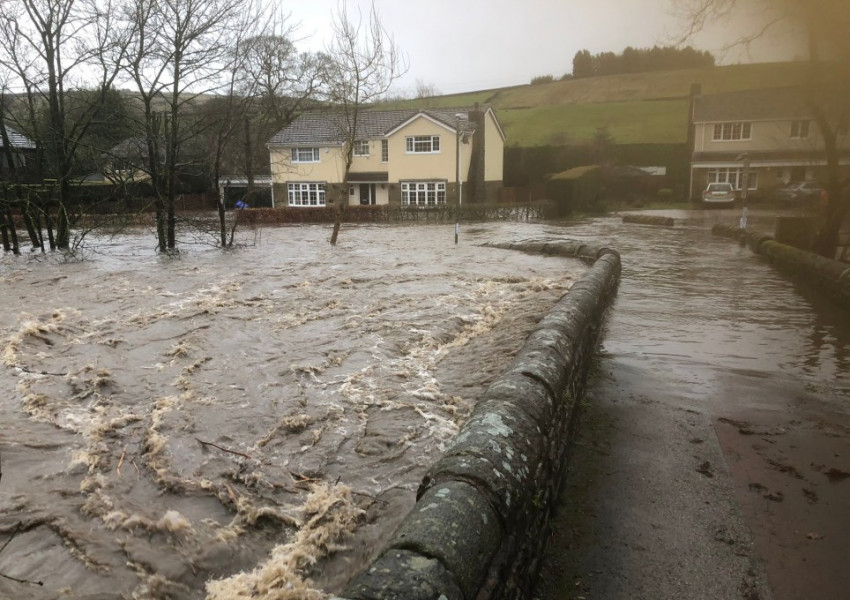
(660, 121)
(636, 108)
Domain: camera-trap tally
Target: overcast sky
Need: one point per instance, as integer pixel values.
(465, 45)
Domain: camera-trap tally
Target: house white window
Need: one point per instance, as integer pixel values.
(726, 132)
(735, 176)
(361, 148)
(422, 144)
(423, 193)
(800, 129)
(307, 194)
(385, 151)
(305, 155)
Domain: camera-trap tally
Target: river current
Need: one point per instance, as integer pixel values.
(242, 424)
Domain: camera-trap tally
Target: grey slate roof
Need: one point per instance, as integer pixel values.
(323, 128)
(786, 103)
(18, 140)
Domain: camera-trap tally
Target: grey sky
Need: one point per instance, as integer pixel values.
(463, 45)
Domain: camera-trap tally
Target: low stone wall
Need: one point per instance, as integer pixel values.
(649, 220)
(829, 275)
(478, 529)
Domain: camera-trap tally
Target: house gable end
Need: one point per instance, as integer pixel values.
(414, 118)
(501, 131)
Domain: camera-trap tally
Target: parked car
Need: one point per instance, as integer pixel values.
(800, 191)
(719, 193)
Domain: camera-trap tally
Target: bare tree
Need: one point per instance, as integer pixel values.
(281, 80)
(823, 27)
(363, 62)
(178, 53)
(426, 90)
(49, 46)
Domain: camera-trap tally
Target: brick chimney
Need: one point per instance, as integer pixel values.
(477, 191)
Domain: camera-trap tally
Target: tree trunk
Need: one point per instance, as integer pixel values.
(32, 230)
(838, 204)
(63, 224)
(222, 224)
(249, 156)
(4, 233)
(161, 239)
(48, 223)
(171, 160)
(337, 224)
(13, 234)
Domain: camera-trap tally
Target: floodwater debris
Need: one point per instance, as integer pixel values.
(329, 513)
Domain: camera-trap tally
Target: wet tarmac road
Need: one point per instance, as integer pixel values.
(713, 459)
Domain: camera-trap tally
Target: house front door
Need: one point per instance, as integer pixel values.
(367, 193)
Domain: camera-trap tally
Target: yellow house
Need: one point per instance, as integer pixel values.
(773, 132)
(410, 157)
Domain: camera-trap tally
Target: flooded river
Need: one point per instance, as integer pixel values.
(253, 424)
(245, 424)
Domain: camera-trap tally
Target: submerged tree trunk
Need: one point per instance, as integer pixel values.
(161, 240)
(337, 224)
(13, 233)
(4, 233)
(31, 223)
(63, 227)
(48, 223)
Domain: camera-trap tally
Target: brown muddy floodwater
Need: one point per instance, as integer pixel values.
(245, 424)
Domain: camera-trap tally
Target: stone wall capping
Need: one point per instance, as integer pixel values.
(478, 528)
(831, 276)
(425, 579)
(453, 523)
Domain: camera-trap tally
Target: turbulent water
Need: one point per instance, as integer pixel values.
(245, 424)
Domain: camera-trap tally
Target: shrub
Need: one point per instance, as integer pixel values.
(665, 194)
(540, 79)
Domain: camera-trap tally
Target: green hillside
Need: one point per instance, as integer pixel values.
(636, 108)
(656, 122)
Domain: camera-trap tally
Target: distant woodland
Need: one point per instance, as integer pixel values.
(639, 60)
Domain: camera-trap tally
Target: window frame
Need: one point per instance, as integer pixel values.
(733, 175)
(412, 142)
(314, 154)
(358, 147)
(298, 194)
(423, 194)
(385, 151)
(800, 129)
(732, 131)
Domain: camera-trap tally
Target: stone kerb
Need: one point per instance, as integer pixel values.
(830, 275)
(478, 527)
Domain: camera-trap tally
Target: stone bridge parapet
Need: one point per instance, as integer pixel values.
(478, 528)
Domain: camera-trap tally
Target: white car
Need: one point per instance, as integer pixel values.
(719, 193)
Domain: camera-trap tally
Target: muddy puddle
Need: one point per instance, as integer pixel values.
(247, 424)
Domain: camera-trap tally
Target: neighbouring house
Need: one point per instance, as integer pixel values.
(771, 130)
(22, 152)
(405, 157)
(127, 161)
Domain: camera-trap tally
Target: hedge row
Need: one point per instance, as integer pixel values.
(395, 214)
